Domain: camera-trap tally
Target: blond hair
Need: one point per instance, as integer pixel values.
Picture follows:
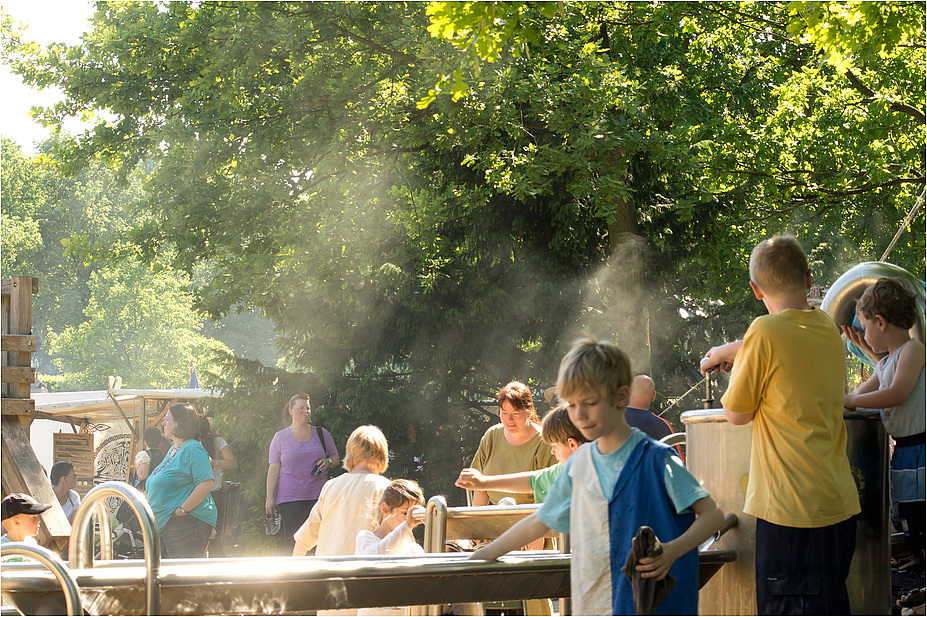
(367, 442)
(779, 265)
(592, 366)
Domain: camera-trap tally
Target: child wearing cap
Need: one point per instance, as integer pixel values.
(21, 517)
(20, 514)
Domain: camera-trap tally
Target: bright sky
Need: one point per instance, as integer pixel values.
(61, 21)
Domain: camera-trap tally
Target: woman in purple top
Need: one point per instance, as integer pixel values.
(294, 453)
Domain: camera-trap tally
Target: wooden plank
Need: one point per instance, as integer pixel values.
(73, 421)
(17, 406)
(18, 342)
(22, 473)
(4, 329)
(18, 375)
(6, 285)
(21, 305)
(128, 422)
(20, 323)
(77, 449)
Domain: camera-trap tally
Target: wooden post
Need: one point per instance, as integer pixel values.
(22, 472)
(18, 374)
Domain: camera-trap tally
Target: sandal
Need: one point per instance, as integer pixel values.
(915, 610)
(913, 598)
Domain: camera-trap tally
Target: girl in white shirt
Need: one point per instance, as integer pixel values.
(393, 535)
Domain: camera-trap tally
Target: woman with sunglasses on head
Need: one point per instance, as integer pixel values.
(178, 490)
(300, 457)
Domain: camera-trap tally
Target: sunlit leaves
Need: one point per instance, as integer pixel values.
(480, 31)
(138, 325)
(850, 33)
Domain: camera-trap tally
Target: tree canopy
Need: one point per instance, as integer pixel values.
(101, 317)
(431, 200)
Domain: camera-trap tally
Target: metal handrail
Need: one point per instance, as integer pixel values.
(675, 439)
(53, 563)
(436, 515)
(80, 552)
(435, 525)
(106, 530)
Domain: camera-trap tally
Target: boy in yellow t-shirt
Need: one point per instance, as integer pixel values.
(788, 378)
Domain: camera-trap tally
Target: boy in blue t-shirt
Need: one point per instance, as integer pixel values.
(612, 487)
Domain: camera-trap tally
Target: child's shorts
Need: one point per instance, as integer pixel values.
(803, 571)
(908, 469)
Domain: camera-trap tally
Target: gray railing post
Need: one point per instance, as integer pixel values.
(53, 563)
(80, 552)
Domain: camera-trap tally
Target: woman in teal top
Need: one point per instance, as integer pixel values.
(178, 489)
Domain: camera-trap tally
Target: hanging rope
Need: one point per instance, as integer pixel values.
(679, 398)
(907, 221)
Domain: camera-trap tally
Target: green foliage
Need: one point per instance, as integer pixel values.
(137, 325)
(852, 33)
(23, 193)
(609, 170)
(94, 317)
(55, 224)
(480, 31)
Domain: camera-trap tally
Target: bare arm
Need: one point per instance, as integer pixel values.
(142, 470)
(227, 459)
(480, 498)
(708, 520)
(910, 365)
(518, 535)
(720, 357)
(197, 495)
(273, 477)
(738, 419)
(870, 385)
(858, 338)
(472, 479)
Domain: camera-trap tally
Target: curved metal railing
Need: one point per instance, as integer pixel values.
(53, 563)
(675, 439)
(80, 552)
(435, 525)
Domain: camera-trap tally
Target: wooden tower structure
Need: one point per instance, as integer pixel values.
(21, 471)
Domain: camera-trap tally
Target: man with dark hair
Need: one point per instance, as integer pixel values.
(64, 479)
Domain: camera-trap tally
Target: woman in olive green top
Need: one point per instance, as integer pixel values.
(512, 446)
